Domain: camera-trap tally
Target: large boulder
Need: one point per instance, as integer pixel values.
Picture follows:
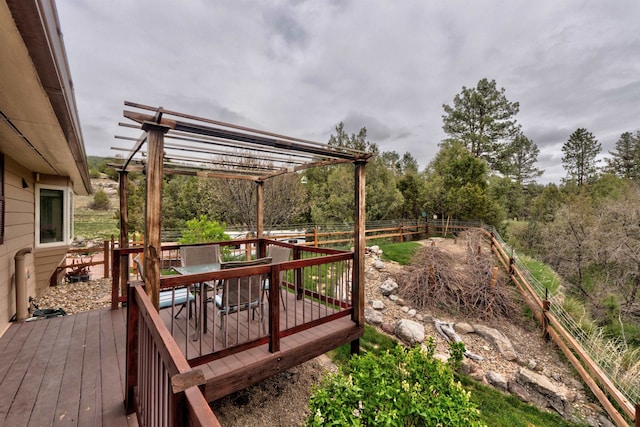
(545, 393)
(388, 287)
(496, 379)
(372, 316)
(498, 340)
(409, 331)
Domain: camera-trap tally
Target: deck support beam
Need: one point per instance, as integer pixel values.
(357, 282)
(153, 210)
(260, 209)
(123, 241)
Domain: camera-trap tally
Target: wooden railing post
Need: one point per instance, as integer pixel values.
(106, 252)
(315, 236)
(273, 298)
(637, 414)
(298, 275)
(115, 281)
(132, 350)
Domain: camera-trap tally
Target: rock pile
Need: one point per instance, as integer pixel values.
(531, 374)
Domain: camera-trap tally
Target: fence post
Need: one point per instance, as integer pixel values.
(637, 414)
(105, 274)
(315, 236)
(512, 263)
(546, 304)
(132, 350)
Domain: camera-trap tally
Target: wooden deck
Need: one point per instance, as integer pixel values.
(65, 371)
(237, 371)
(71, 370)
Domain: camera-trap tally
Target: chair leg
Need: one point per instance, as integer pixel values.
(180, 311)
(284, 306)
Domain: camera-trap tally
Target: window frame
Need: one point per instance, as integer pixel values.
(67, 216)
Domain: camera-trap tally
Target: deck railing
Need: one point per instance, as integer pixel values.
(316, 288)
(161, 386)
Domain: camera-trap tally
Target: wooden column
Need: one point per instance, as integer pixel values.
(357, 283)
(260, 209)
(123, 241)
(153, 210)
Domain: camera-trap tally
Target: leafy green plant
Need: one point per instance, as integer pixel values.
(401, 387)
(201, 230)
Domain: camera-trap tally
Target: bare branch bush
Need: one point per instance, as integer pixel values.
(473, 286)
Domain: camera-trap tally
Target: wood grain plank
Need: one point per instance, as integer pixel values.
(69, 397)
(25, 398)
(6, 338)
(112, 392)
(45, 406)
(90, 406)
(17, 366)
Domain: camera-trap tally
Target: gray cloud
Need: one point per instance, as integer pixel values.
(300, 67)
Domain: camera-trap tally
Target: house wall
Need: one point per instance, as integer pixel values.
(19, 234)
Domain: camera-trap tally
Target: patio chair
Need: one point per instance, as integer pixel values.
(277, 254)
(168, 298)
(241, 294)
(199, 255)
(196, 255)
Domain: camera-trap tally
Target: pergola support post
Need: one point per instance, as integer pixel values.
(123, 241)
(357, 283)
(259, 216)
(153, 210)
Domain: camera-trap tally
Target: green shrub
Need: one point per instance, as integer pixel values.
(398, 388)
(201, 230)
(101, 200)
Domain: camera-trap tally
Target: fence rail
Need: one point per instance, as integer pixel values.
(571, 339)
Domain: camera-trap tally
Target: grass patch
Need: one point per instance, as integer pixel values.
(542, 273)
(499, 409)
(401, 253)
(91, 225)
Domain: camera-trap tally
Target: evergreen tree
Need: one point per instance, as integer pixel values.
(579, 156)
(482, 118)
(519, 160)
(625, 158)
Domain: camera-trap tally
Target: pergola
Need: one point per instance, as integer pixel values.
(177, 143)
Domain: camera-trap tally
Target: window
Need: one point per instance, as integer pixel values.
(54, 207)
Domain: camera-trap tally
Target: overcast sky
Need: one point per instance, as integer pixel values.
(300, 67)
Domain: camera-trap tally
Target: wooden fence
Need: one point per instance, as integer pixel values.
(595, 378)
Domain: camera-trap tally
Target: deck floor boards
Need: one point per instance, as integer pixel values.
(71, 370)
(64, 371)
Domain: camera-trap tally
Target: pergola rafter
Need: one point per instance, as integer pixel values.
(212, 149)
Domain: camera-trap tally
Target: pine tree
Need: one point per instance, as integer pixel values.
(579, 156)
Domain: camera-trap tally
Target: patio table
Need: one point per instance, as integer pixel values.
(196, 269)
